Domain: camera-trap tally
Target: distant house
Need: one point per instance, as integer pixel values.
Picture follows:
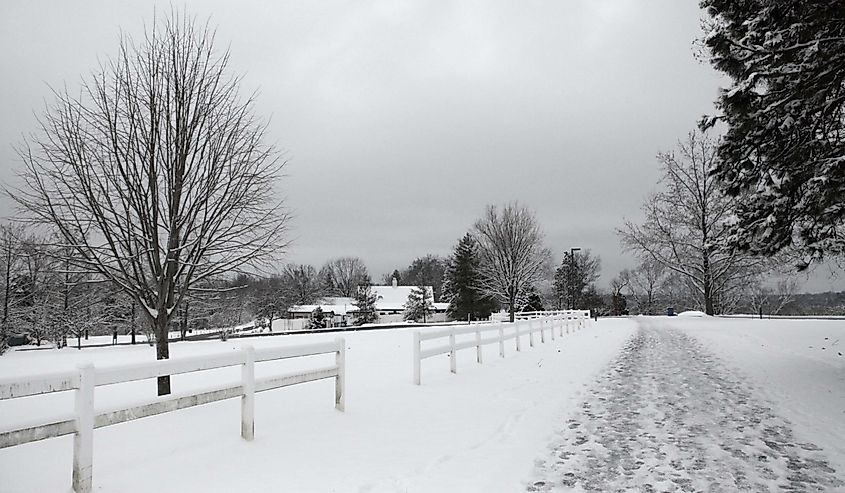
(390, 305)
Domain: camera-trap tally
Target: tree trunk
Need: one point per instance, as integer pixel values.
(162, 350)
(133, 322)
(512, 308)
(708, 287)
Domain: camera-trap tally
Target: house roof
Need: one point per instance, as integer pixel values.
(387, 298)
(394, 297)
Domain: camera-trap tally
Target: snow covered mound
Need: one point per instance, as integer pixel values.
(692, 313)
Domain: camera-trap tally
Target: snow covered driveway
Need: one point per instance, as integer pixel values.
(669, 416)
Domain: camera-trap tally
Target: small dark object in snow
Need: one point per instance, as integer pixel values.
(825, 338)
(558, 350)
(823, 349)
(840, 353)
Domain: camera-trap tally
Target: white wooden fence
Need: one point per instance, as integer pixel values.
(529, 323)
(83, 381)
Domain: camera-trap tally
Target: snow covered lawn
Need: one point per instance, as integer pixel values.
(796, 364)
(479, 430)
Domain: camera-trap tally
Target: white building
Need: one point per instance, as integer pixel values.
(390, 305)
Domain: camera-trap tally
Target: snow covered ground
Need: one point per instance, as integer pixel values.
(683, 403)
(670, 415)
(479, 430)
(799, 365)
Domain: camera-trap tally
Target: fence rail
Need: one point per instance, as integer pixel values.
(526, 323)
(82, 422)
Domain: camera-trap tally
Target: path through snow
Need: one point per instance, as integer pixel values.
(668, 416)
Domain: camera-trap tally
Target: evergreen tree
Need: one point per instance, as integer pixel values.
(783, 149)
(576, 272)
(461, 281)
(420, 304)
(535, 303)
(365, 302)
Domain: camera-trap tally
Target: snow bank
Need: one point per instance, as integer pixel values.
(479, 430)
(692, 314)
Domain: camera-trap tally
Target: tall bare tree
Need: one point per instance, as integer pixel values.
(157, 173)
(341, 276)
(512, 254)
(685, 225)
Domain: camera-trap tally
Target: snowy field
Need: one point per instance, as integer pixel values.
(479, 430)
(678, 404)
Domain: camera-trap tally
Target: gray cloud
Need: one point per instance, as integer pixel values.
(401, 120)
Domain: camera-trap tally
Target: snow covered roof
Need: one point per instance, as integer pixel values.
(389, 298)
(337, 309)
(394, 297)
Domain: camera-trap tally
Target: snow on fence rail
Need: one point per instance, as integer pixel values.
(82, 422)
(526, 323)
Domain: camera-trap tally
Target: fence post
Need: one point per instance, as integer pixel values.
(340, 379)
(452, 352)
(83, 437)
(248, 396)
(566, 321)
(516, 329)
(501, 339)
(417, 357)
(478, 345)
(560, 324)
(542, 333)
(552, 327)
(531, 332)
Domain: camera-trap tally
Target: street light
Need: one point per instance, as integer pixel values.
(571, 272)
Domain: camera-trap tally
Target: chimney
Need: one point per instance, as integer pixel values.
(395, 282)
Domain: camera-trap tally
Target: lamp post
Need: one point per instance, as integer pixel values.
(571, 275)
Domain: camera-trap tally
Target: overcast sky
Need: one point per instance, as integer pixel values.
(401, 120)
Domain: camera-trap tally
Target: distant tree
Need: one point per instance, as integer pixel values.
(784, 146)
(462, 281)
(420, 304)
(646, 285)
(426, 271)
(156, 172)
(685, 226)
(341, 276)
(512, 253)
(301, 284)
(763, 298)
(593, 300)
(271, 299)
(577, 271)
(618, 302)
(387, 279)
(365, 303)
(10, 261)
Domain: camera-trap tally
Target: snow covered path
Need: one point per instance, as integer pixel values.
(668, 416)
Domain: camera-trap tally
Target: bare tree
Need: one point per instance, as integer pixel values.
(512, 255)
(157, 174)
(618, 303)
(341, 276)
(646, 283)
(301, 283)
(10, 245)
(685, 226)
